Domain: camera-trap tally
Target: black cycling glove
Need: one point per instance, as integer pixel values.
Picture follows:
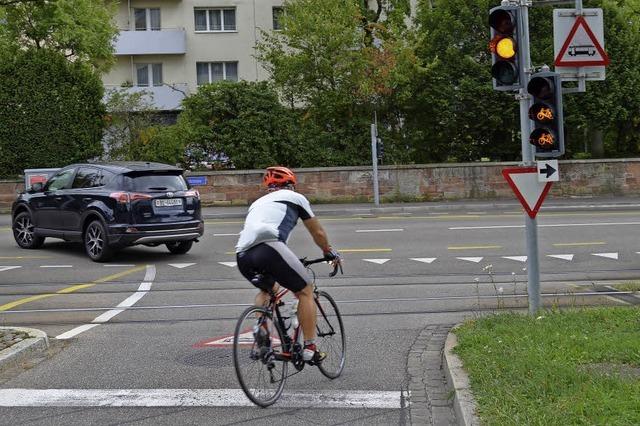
(331, 254)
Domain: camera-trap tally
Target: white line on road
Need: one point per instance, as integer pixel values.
(470, 259)
(109, 265)
(8, 268)
(613, 256)
(195, 398)
(378, 261)
(143, 289)
(56, 266)
(380, 230)
(226, 235)
(555, 225)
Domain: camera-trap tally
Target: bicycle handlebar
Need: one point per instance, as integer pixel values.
(337, 265)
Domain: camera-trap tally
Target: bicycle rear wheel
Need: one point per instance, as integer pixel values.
(261, 375)
(331, 338)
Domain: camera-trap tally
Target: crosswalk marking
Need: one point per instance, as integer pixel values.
(349, 399)
(471, 259)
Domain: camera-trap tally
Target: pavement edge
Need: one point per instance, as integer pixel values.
(464, 404)
(15, 355)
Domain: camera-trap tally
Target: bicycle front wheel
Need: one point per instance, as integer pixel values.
(331, 338)
(260, 370)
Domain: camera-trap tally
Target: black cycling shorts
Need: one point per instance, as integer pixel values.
(277, 263)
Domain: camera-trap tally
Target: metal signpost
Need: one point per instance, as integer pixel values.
(374, 159)
(580, 56)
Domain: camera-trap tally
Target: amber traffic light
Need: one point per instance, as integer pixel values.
(546, 113)
(505, 60)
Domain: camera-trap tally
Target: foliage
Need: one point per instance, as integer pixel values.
(337, 61)
(82, 30)
(50, 111)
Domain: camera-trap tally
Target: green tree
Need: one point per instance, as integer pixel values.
(51, 112)
(338, 61)
(82, 30)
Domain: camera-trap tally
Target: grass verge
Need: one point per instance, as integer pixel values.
(628, 286)
(563, 368)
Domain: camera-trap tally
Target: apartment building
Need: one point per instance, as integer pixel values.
(170, 47)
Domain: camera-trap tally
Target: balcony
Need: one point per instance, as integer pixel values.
(163, 98)
(169, 41)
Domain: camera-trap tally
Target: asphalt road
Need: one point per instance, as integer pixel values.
(136, 326)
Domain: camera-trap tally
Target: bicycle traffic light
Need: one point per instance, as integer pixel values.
(505, 60)
(546, 114)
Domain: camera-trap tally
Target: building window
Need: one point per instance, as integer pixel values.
(208, 72)
(149, 74)
(147, 19)
(277, 17)
(215, 19)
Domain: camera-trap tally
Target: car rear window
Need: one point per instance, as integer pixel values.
(156, 182)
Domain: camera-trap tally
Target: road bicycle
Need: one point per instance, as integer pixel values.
(262, 359)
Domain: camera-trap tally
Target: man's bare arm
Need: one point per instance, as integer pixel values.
(317, 232)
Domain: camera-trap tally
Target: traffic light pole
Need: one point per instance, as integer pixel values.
(531, 225)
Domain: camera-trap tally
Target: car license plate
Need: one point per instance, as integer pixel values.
(168, 202)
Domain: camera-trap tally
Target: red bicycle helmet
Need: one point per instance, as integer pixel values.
(278, 177)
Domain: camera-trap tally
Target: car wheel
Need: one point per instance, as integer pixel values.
(24, 232)
(180, 247)
(95, 242)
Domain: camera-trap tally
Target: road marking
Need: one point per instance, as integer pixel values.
(226, 235)
(470, 259)
(229, 264)
(181, 265)
(592, 243)
(568, 257)
(8, 268)
(143, 289)
(423, 259)
(25, 257)
(613, 256)
(380, 230)
(369, 250)
(67, 290)
(516, 258)
(357, 399)
(555, 225)
(472, 247)
(109, 265)
(56, 266)
(378, 261)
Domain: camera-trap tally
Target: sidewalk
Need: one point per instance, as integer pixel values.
(18, 344)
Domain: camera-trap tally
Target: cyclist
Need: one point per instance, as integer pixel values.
(262, 249)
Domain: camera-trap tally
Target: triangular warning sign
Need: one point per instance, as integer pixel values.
(581, 48)
(530, 192)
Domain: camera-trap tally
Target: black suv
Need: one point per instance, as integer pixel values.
(110, 206)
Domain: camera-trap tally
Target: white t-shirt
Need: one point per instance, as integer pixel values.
(272, 217)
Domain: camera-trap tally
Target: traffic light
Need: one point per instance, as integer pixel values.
(546, 114)
(379, 148)
(506, 68)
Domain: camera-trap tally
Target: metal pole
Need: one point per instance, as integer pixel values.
(374, 159)
(531, 225)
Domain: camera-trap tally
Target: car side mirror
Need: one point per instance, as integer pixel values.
(37, 187)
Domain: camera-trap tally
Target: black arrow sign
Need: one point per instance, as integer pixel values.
(548, 170)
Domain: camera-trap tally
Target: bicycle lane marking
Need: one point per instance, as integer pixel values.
(143, 289)
(354, 399)
(67, 290)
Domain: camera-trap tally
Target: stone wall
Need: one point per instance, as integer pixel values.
(410, 182)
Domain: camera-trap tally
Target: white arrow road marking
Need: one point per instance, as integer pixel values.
(471, 259)
(423, 259)
(380, 230)
(357, 399)
(568, 257)
(143, 289)
(229, 264)
(8, 268)
(181, 265)
(516, 258)
(607, 255)
(378, 261)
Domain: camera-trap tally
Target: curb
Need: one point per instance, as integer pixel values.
(464, 404)
(15, 355)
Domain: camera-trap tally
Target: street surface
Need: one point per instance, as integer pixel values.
(134, 332)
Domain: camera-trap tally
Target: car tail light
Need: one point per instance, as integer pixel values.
(127, 197)
(192, 193)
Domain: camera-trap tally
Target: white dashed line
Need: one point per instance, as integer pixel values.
(380, 230)
(56, 266)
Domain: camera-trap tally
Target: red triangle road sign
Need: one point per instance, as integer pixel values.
(530, 192)
(581, 48)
